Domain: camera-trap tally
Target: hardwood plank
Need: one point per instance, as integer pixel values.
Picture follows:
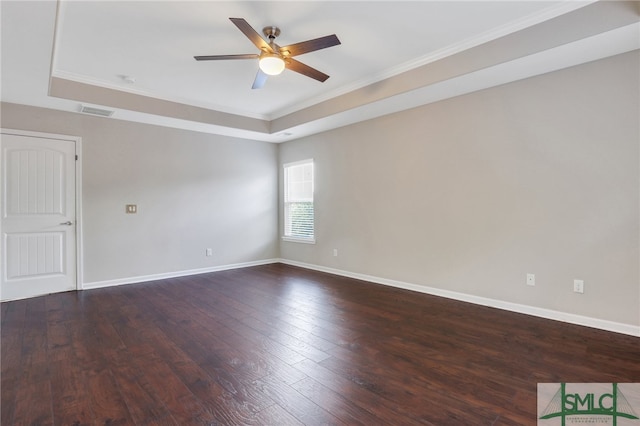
(337, 403)
(237, 334)
(276, 344)
(317, 322)
(33, 402)
(429, 404)
(276, 415)
(167, 387)
(399, 381)
(33, 392)
(301, 347)
(106, 401)
(72, 404)
(300, 407)
(142, 404)
(223, 367)
(34, 342)
(13, 322)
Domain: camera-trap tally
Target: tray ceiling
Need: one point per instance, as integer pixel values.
(136, 58)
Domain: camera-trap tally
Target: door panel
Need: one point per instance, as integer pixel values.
(35, 181)
(35, 254)
(38, 216)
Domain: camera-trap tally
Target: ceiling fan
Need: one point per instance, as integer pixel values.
(273, 59)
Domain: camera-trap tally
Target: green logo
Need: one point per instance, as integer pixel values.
(589, 403)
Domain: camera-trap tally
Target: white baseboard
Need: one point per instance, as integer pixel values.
(632, 330)
(155, 277)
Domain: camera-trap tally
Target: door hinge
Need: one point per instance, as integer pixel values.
(76, 157)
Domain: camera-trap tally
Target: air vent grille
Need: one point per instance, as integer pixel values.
(96, 111)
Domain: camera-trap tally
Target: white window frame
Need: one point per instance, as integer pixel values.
(288, 202)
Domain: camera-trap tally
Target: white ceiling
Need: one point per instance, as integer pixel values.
(97, 43)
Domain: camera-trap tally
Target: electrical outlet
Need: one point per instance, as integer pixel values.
(335, 252)
(131, 209)
(209, 252)
(531, 279)
(578, 286)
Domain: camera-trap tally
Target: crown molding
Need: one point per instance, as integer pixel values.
(469, 43)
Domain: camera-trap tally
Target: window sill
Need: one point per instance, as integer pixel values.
(299, 240)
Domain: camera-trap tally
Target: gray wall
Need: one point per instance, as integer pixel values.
(467, 195)
(194, 191)
(472, 193)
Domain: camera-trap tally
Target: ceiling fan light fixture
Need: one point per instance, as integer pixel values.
(273, 59)
(271, 64)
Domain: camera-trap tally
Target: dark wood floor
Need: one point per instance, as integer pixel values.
(279, 345)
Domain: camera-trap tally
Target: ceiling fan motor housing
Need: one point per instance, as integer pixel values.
(271, 32)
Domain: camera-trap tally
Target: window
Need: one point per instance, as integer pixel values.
(298, 202)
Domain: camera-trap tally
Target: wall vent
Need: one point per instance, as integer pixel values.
(96, 111)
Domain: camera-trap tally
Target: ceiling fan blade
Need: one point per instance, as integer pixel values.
(310, 45)
(303, 69)
(251, 34)
(218, 57)
(261, 79)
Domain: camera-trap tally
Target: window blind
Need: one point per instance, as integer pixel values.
(298, 200)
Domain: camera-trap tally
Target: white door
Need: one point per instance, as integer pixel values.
(38, 222)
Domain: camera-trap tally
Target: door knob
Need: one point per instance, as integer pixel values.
(68, 223)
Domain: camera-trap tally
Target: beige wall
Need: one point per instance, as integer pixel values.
(471, 194)
(194, 191)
